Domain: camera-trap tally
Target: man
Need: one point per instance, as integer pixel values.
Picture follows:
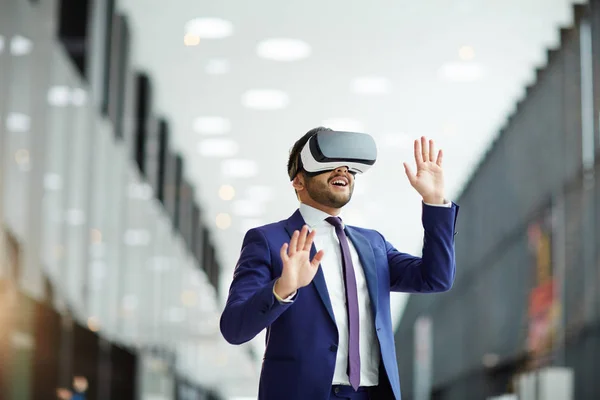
(322, 288)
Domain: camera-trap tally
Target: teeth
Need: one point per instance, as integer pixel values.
(339, 182)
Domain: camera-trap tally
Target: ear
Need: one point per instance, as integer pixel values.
(298, 182)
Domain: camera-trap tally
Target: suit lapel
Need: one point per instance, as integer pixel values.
(295, 222)
(367, 259)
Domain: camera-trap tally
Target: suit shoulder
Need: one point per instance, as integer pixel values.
(369, 233)
(267, 229)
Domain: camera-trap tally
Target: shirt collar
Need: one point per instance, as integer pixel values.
(312, 216)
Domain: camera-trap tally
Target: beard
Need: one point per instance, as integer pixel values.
(320, 192)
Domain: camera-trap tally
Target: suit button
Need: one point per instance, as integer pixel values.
(333, 348)
(336, 390)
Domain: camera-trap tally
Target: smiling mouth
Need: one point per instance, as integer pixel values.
(339, 182)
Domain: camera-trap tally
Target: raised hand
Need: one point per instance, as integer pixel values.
(298, 269)
(429, 179)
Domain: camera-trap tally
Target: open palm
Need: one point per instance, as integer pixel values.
(298, 269)
(429, 178)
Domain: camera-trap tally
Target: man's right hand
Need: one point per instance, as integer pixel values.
(298, 269)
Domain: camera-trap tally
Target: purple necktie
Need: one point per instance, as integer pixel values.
(351, 304)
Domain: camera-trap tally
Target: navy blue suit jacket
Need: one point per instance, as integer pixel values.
(302, 338)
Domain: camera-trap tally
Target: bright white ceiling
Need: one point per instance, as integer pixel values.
(416, 46)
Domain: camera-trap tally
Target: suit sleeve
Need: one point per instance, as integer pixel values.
(251, 305)
(435, 270)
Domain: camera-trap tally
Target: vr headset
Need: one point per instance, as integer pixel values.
(328, 150)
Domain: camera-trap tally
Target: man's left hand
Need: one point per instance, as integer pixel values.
(429, 179)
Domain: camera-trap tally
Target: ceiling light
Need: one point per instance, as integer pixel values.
(226, 192)
(22, 157)
(281, 49)
(265, 99)
(250, 223)
(344, 124)
(210, 125)
(461, 72)
(189, 39)
(239, 168)
(217, 148)
(98, 269)
(96, 236)
(93, 324)
(209, 28)
(217, 67)
(20, 45)
(260, 193)
(16, 122)
(136, 237)
(75, 217)
(52, 181)
(140, 191)
(466, 53)
(248, 208)
(160, 263)
(371, 85)
(189, 298)
(59, 96)
(396, 141)
(78, 97)
(223, 220)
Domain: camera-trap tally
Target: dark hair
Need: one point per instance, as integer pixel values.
(294, 166)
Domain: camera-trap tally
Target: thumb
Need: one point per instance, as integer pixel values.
(409, 174)
(317, 259)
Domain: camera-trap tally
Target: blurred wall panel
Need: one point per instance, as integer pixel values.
(526, 292)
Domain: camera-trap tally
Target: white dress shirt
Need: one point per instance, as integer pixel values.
(331, 264)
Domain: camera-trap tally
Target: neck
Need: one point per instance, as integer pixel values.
(329, 210)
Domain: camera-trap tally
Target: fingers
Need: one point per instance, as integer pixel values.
(439, 158)
(283, 252)
(302, 238)
(418, 153)
(317, 259)
(432, 151)
(309, 240)
(293, 243)
(424, 149)
(409, 173)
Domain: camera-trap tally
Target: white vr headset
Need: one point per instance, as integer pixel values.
(328, 150)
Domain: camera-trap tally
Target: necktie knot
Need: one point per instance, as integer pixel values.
(335, 221)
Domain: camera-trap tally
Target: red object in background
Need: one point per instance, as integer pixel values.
(542, 298)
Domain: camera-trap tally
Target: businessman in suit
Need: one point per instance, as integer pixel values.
(322, 288)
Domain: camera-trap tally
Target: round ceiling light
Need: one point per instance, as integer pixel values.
(466, 53)
(217, 148)
(281, 49)
(371, 85)
(212, 125)
(461, 72)
(265, 99)
(239, 168)
(209, 28)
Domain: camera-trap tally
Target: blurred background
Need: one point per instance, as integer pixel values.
(140, 140)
